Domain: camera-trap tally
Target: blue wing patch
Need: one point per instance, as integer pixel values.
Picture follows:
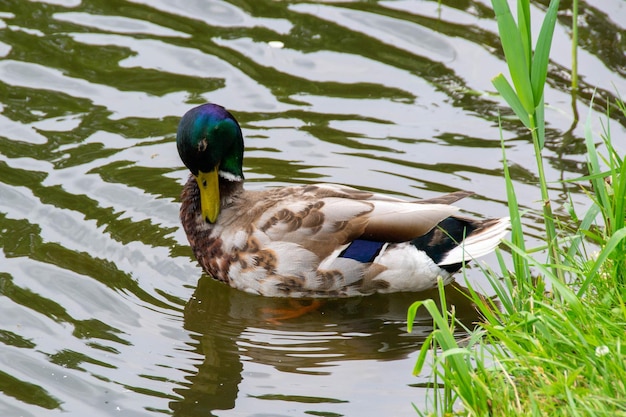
(362, 250)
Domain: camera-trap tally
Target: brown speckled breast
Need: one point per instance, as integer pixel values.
(206, 248)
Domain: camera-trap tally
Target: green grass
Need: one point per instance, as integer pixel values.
(552, 340)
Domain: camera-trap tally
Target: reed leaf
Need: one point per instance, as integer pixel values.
(522, 272)
(540, 124)
(539, 68)
(523, 24)
(510, 96)
(558, 286)
(617, 238)
(421, 358)
(513, 48)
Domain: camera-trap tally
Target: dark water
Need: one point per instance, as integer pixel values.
(104, 312)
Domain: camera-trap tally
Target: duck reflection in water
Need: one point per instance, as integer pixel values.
(230, 328)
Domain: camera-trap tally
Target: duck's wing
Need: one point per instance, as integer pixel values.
(446, 198)
(390, 219)
(323, 217)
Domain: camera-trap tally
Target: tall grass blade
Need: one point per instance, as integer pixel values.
(575, 45)
(513, 48)
(539, 68)
(584, 226)
(598, 184)
(540, 124)
(421, 359)
(520, 265)
(503, 290)
(509, 95)
(523, 24)
(558, 287)
(454, 363)
(619, 190)
(608, 249)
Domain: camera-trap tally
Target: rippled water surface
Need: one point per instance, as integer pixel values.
(103, 310)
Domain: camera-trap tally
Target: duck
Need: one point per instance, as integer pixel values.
(314, 240)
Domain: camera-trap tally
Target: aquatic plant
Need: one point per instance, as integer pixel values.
(550, 342)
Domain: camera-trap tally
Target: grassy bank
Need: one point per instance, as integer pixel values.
(552, 343)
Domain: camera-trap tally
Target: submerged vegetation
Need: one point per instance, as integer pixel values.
(551, 343)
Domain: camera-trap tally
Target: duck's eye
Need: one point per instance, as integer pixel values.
(204, 183)
(202, 145)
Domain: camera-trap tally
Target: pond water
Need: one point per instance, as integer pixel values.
(104, 311)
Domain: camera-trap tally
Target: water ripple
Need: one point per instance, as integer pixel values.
(104, 311)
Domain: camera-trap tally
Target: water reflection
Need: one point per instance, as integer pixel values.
(95, 272)
(234, 327)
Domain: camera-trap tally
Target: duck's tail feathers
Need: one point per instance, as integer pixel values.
(479, 243)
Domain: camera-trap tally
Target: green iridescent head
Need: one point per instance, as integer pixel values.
(210, 144)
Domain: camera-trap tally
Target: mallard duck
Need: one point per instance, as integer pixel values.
(314, 240)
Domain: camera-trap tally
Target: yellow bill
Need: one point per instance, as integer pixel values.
(209, 194)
